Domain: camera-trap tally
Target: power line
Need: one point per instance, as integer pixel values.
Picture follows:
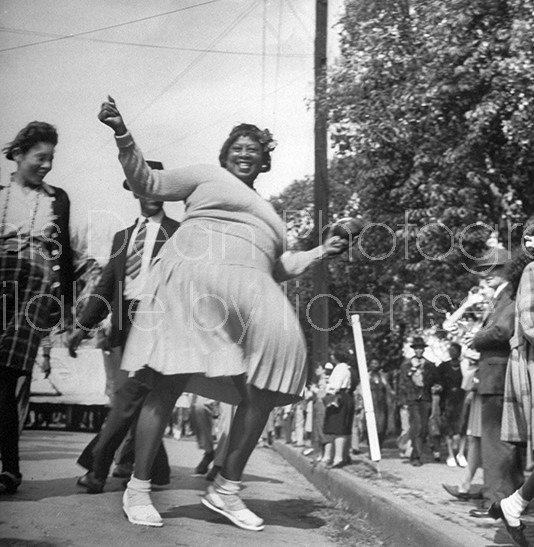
(299, 19)
(75, 35)
(277, 68)
(197, 59)
(263, 56)
(229, 115)
(173, 82)
(155, 46)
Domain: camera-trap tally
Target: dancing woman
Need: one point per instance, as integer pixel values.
(215, 319)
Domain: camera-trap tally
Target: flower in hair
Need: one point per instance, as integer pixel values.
(266, 139)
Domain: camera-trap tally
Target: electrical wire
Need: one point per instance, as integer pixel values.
(277, 67)
(263, 57)
(217, 122)
(155, 46)
(83, 33)
(175, 80)
(310, 34)
(197, 59)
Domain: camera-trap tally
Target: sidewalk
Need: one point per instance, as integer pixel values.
(407, 503)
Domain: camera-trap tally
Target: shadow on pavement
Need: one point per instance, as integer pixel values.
(290, 513)
(13, 542)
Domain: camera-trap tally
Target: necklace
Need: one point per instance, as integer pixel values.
(32, 215)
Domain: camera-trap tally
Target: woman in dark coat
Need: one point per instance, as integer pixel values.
(36, 271)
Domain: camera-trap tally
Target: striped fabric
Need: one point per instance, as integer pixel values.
(24, 318)
(517, 420)
(135, 258)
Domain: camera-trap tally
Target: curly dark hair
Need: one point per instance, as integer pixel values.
(264, 138)
(29, 136)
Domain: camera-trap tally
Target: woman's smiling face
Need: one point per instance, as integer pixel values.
(35, 164)
(245, 158)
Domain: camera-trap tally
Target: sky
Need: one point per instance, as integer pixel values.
(182, 72)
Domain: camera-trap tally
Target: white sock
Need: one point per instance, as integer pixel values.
(512, 507)
(226, 486)
(138, 492)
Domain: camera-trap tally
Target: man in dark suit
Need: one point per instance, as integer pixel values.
(501, 461)
(121, 285)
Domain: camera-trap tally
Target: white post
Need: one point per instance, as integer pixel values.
(370, 420)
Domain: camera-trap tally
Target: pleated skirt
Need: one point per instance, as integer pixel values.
(217, 320)
(474, 423)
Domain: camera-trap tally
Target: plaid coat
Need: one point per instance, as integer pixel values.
(26, 276)
(517, 420)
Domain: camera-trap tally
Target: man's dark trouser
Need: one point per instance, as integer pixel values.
(127, 403)
(419, 412)
(503, 471)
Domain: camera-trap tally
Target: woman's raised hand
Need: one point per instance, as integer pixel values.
(334, 245)
(109, 115)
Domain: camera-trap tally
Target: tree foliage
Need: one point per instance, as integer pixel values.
(431, 112)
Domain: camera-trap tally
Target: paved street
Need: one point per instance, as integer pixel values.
(51, 511)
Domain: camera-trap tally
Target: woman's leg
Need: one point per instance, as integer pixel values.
(9, 421)
(474, 461)
(153, 420)
(340, 443)
(249, 421)
(451, 460)
(9, 432)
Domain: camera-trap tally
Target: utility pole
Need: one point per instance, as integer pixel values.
(319, 309)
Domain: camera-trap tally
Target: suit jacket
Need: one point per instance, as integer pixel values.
(408, 392)
(493, 343)
(108, 296)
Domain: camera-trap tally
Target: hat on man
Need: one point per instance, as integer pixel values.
(496, 256)
(418, 342)
(329, 366)
(152, 164)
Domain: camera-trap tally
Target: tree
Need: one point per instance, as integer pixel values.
(431, 113)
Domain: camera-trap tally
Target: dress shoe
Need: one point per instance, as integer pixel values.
(462, 496)
(338, 465)
(123, 471)
(517, 533)
(91, 483)
(203, 466)
(9, 482)
(480, 514)
(416, 463)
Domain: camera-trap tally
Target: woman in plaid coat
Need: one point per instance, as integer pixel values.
(36, 272)
(517, 420)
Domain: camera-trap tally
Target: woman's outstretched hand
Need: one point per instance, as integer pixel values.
(109, 115)
(334, 245)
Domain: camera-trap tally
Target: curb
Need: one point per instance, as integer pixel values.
(402, 525)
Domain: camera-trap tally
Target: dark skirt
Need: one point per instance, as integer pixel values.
(24, 307)
(338, 417)
(452, 415)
